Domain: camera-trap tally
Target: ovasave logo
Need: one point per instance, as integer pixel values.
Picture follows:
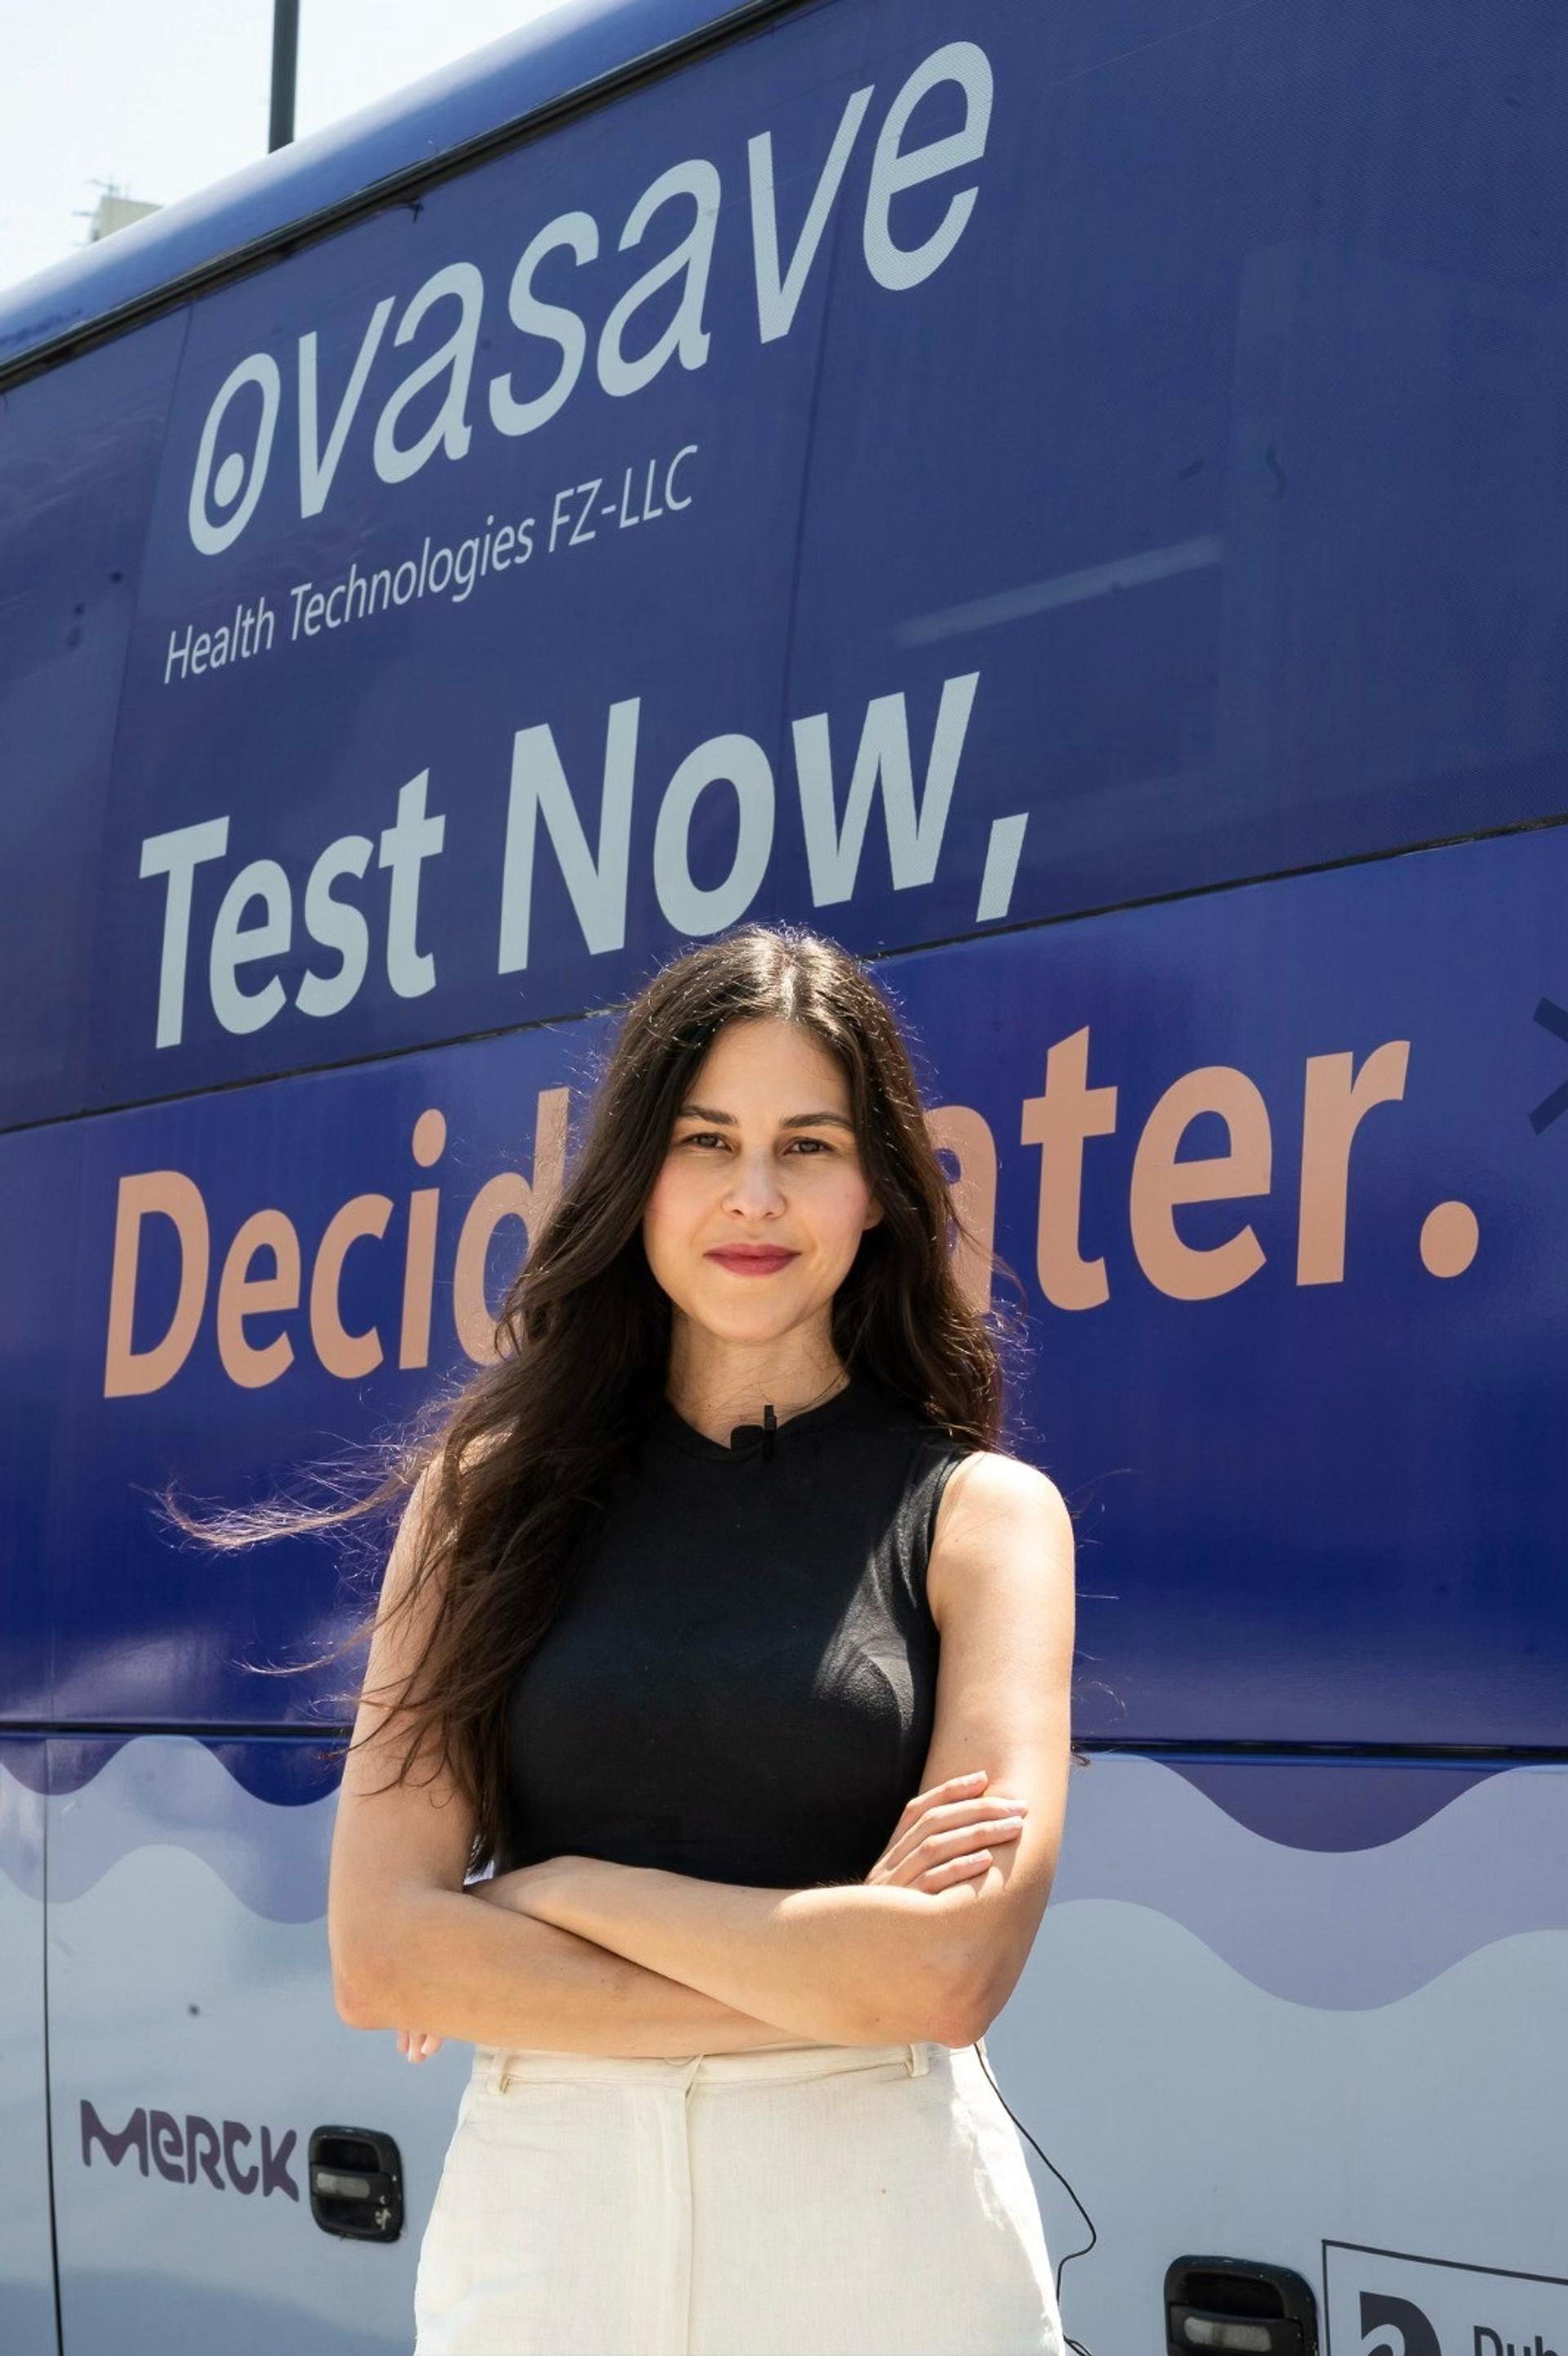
(234, 455)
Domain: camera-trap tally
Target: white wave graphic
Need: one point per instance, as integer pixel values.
(1345, 1930)
(172, 1790)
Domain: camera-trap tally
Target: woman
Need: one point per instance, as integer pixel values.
(713, 1569)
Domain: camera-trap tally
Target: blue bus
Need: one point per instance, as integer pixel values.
(1071, 501)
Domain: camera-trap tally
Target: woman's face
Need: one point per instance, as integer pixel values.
(762, 1151)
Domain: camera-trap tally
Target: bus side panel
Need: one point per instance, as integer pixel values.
(194, 2049)
(1150, 496)
(1278, 1173)
(488, 666)
(1311, 1500)
(80, 452)
(26, 2242)
(1311, 2013)
(1277, 2009)
(39, 1185)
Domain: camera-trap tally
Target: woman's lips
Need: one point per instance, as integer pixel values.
(753, 1263)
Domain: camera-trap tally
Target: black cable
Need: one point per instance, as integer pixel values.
(1056, 2171)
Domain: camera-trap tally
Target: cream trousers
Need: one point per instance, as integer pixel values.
(798, 2200)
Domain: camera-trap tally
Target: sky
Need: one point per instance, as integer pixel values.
(163, 97)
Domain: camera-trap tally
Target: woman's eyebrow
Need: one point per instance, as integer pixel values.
(790, 1120)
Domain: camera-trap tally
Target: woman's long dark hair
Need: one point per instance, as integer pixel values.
(514, 1466)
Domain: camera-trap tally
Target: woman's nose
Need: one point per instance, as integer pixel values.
(754, 1184)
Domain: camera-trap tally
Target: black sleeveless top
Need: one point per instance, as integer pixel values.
(739, 1683)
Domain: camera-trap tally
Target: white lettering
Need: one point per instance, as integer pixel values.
(893, 265)
(779, 293)
(734, 760)
(234, 945)
(335, 925)
(449, 427)
(914, 838)
(224, 491)
(318, 466)
(686, 333)
(233, 476)
(413, 837)
(596, 885)
(404, 845)
(579, 232)
(177, 855)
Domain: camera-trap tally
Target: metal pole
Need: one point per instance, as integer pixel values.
(286, 72)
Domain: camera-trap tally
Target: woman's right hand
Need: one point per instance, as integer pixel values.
(948, 1834)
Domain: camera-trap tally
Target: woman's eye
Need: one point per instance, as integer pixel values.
(708, 1136)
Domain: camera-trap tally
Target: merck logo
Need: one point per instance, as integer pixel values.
(901, 247)
(182, 2150)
